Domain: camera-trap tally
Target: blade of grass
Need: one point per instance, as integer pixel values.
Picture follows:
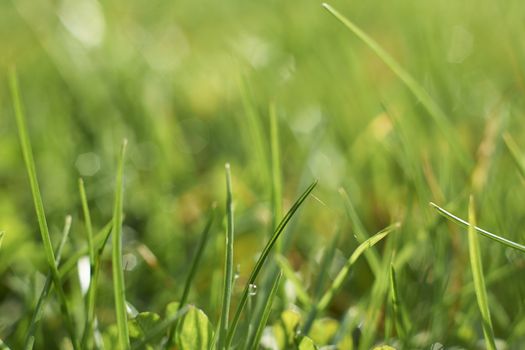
(401, 320)
(94, 259)
(417, 90)
(343, 274)
(477, 275)
(361, 233)
(256, 339)
(290, 275)
(485, 233)
(118, 272)
(37, 314)
(276, 169)
(514, 150)
(228, 263)
(2, 234)
(100, 241)
(38, 203)
(193, 269)
(262, 258)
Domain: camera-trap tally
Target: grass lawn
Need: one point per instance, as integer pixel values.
(262, 175)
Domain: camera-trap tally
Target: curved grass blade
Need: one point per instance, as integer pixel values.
(417, 90)
(228, 263)
(515, 152)
(262, 258)
(39, 205)
(118, 271)
(37, 314)
(341, 276)
(256, 339)
(477, 275)
(485, 233)
(193, 269)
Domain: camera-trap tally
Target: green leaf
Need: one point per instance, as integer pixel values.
(324, 330)
(195, 331)
(142, 323)
(305, 343)
(285, 329)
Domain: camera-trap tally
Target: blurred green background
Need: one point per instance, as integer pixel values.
(190, 84)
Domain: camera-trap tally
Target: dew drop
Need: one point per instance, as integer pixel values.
(252, 289)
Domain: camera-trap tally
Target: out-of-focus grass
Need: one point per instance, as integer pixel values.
(189, 84)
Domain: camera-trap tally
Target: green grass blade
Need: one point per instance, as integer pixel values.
(193, 269)
(2, 234)
(118, 271)
(290, 275)
(417, 90)
(341, 276)
(479, 280)
(87, 221)
(361, 233)
(262, 258)
(100, 241)
(514, 150)
(485, 233)
(401, 320)
(38, 203)
(90, 300)
(228, 263)
(37, 314)
(256, 339)
(276, 168)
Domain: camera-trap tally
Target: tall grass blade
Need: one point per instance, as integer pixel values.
(361, 233)
(118, 271)
(401, 320)
(38, 203)
(228, 263)
(262, 258)
(193, 269)
(485, 233)
(256, 339)
(417, 90)
(90, 300)
(514, 150)
(477, 275)
(2, 234)
(341, 276)
(276, 168)
(37, 314)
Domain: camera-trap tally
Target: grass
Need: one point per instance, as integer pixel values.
(388, 105)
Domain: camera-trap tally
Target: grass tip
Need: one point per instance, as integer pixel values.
(227, 166)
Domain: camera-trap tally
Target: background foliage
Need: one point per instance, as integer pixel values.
(190, 84)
